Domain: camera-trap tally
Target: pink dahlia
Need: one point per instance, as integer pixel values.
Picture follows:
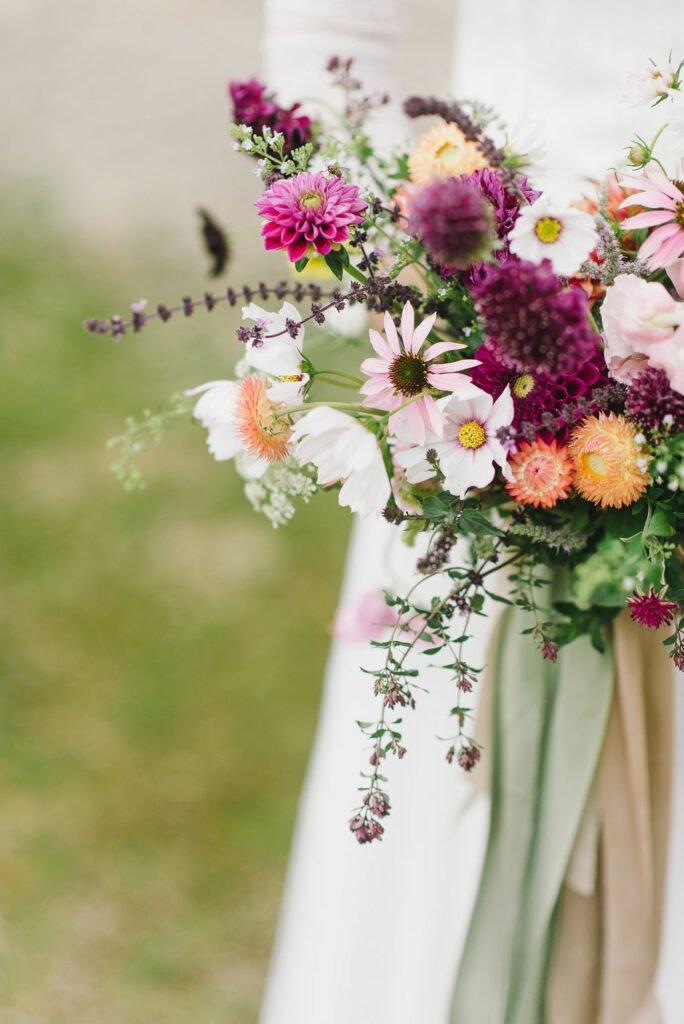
(405, 373)
(651, 610)
(665, 213)
(309, 213)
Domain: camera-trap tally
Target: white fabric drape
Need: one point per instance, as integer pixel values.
(374, 933)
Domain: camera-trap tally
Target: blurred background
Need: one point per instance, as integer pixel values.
(161, 654)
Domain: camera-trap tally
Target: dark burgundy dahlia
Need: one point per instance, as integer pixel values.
(535, 321)
(546, 404)
(253, 106)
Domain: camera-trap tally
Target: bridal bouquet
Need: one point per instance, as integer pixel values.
(517, 395)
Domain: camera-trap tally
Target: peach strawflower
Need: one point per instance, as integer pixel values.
(542, 474)
(610, 469)
(261, 431)
(443, 152)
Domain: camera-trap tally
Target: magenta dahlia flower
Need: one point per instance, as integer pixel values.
(651, 610)
(405, 369)
(534, 320)
(309, 213)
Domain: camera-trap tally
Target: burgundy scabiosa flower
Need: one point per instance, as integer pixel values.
(651, 610)
(539, 396)
(653, 404)
(536, 322)
(309, 213)
(454, 221)
(253, 106)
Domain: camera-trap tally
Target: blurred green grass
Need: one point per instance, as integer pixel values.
(161, 658)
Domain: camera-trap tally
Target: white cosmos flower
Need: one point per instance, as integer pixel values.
(548, 230)
(470, 446)
(342, 449)
(648, 85)
(524, 141)
(279, 359)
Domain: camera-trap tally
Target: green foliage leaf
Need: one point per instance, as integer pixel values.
(337, 260)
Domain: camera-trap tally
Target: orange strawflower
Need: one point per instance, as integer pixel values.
(610, 469)
(542, 474)
(262, 432)
(443, 152)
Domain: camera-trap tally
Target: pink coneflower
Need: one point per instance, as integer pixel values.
(651, 610)
(406, 369)
(665, 213)
(309, 213)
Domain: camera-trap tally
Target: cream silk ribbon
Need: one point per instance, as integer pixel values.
(566, 923)
(606, 945)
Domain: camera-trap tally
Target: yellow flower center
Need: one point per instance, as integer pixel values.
(548, 229)
(472, 434)
(311, 200)
(595, 465)
(291, 378)
(522, 385)
(448, 155)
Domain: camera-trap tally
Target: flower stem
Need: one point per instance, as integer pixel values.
(337, 373)
(350, 406)
(413, 398)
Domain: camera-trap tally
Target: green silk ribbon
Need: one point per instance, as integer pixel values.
(548, 726)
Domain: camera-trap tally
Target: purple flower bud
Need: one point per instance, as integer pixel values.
(468, 756)
(454, 221)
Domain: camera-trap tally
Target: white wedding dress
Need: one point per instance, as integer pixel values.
(373, 934)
